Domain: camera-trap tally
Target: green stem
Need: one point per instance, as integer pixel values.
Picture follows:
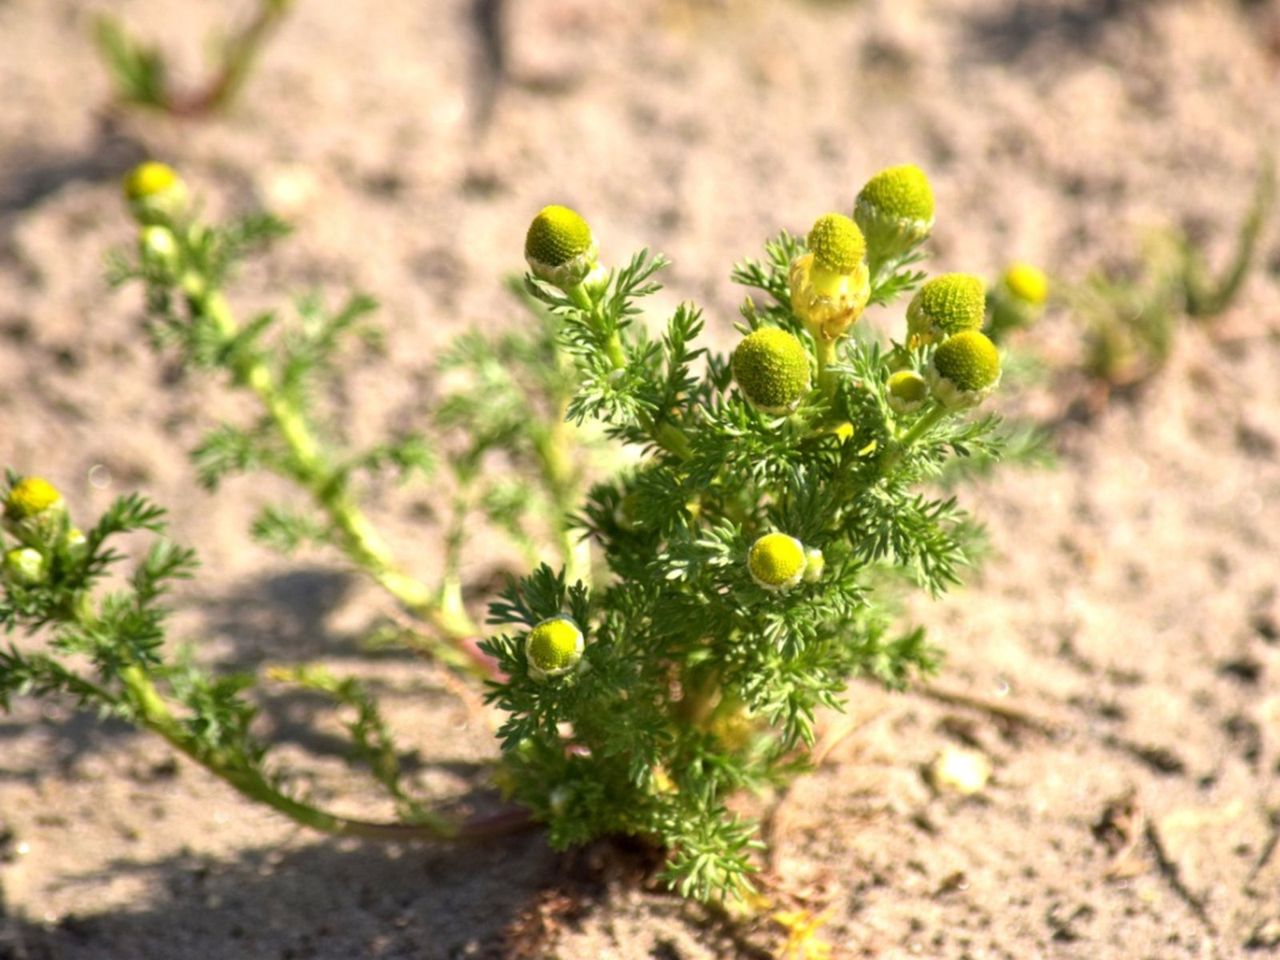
(310, 467)
(826, 354)
(153, 713)
(702, 695)
(666, 435)
(561, 479)
(923, 425)
(613, 343)
(900, 446)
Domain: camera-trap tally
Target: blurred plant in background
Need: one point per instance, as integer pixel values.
(142, 76)
(1131, 318)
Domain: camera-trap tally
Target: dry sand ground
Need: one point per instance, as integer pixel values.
(1133, 600)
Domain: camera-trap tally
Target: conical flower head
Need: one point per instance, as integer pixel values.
(945, 306)
(30, 497)
(965, 369)
(837, 244)
(1027, 284)
(155, 193)
(895, 211)
(771, 367)
(830, 285)
(553, 648)
(777, 562)
(907, 391)
(559, 246)
(35, 512)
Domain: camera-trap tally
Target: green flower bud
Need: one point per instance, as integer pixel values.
(75, 545)
(830, 285)
(553, 648)
(559, 798)
(1027, 284)
(559, 247)
(907, 391)
(24, 566)
(814, 564)
(895, 212)
(158, 249)
(945, 306)
(777, 562)
(965, 369)
(772, 370)
(155, 193)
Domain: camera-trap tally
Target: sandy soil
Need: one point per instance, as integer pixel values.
(1128, 624)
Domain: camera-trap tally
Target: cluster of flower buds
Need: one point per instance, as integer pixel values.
(36, 516)
(948, 311)
(777, 562)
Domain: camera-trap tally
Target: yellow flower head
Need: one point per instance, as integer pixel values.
(837, 244)
(895, 211)
(803, 942)
(907, 391)
(965, 369)
(30, 497)
(1027, 283)
(777, 562)
(830, 284)
(901, 192)
(945, 306)
(772, 370)
(560, 247)
(553, 648)
(150, 179)
(155, 192)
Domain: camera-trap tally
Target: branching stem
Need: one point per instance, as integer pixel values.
(666, 435)
(153, 712)
(899, 446)
(310, 468)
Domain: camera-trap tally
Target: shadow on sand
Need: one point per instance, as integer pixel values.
(329, 901)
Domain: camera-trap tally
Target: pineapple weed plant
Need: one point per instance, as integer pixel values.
(708, 598)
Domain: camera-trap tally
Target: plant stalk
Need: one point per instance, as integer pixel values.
(666, 435)
(826, 355)
(360, 540)
(153, 713)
